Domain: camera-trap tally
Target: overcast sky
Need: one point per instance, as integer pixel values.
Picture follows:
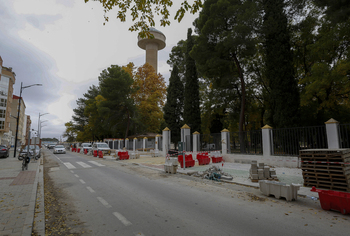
(64, 45)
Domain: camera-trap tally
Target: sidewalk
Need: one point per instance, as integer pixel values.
(18, 193)
(240, 172)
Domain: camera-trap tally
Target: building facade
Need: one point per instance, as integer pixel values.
(22, 123)
(7, 80)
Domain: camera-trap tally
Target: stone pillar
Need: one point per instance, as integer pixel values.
(267, 140)
(225, 141)
(196, 142)
(157, 142)
(166, 141)
(113, 144)
(119, 147)
(185, 131)
(144, 143)
(332, 134)
(134, 144)
(127, 144)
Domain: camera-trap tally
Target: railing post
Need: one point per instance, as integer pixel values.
(157, 142)
(134, 145)
(225, 141)
(144, 143)
(332, 134)
(267, 140)
(196, 142)
(127, 144)
(166, 140)
(185, 131)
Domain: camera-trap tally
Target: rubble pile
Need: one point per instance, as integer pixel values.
(261, 172)
(213, 173)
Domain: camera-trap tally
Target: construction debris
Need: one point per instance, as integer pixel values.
(212, 173)
(261, 172)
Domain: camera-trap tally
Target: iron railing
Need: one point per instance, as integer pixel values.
(251, 140)
(288, 141)
(210, 142)
(344, 135)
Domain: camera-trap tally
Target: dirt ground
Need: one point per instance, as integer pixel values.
(60, 215)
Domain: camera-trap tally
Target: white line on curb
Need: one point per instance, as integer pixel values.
(82, 181)
(122, 218)
(90, 189)
(104, 202)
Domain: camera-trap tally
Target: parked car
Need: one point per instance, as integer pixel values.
(4, 151)
(102, 147)
(86, 146)
(32, 148)
(51, 146)
(59, 149)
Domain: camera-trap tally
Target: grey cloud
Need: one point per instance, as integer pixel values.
(39, 21)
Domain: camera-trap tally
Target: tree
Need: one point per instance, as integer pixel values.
(227, 40)
(70, 132)
(148, 94)
(337, 10)
(284, 94)
(143, 12)
(173, 108)
(192, 113)
(177, 57)
(116, 106)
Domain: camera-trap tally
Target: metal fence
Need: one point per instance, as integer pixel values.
(288, 141)
(344, 135)
(252, 142)
(210, 142)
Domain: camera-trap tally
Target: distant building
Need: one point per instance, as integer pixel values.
(22, 124)
(7, 80)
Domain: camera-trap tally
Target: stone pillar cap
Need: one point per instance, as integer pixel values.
(225, 130)
(266, 127)
(185, 127)
(196, 132)
(145, 138)
(331, 121)
(166, 129)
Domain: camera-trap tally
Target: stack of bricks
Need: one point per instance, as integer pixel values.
(261, 172)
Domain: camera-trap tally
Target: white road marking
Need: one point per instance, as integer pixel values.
(104, 202)
(76, 176)
(54, 168)
(82, 181)
(83, 164)
(96, 163)
(72, 171)
(90, 189)
(122, 218)
(69, 165)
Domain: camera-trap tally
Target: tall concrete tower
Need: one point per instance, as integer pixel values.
(152, 46)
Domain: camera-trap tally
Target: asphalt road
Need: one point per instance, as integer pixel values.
(111, 198)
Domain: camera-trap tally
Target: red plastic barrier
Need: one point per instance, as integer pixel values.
(100, 154)
(189, 162)
(334, 200)
(73, 149)
(78, 150)
(203, 158)
(123, 155)
(85, 151)
(95, 153)
(216, 159)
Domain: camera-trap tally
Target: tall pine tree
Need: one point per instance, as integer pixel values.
(192, 114)
(174, 105)
(284, 95)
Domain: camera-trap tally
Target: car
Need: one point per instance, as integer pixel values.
(102, 147)
(59, 149)
(32, 149)
(86, 146)
(4, 151)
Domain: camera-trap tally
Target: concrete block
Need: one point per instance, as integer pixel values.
(254, 162)
(266, 172)
(274, 176)
(261, 175)
(254, 171)
(261, 165)
(272, 172)
(289, 192)
(254, 176)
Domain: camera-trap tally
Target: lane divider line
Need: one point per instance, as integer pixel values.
(90, 189)
(122, 218)
(76, 175)
(104, 202)
(82, 181)
(72, 171)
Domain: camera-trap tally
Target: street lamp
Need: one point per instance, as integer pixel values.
(19, 109)
(39, 123)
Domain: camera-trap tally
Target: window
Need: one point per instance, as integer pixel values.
(2, 124)
(3, 102)
(2, 113)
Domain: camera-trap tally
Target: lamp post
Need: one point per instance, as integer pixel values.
(19, 109)
(39, 124)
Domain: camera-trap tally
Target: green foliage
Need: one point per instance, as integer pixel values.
(284, 94)
(174, 105)
(192, 113)
(143, 11)
(337, 10)
(70, 132)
